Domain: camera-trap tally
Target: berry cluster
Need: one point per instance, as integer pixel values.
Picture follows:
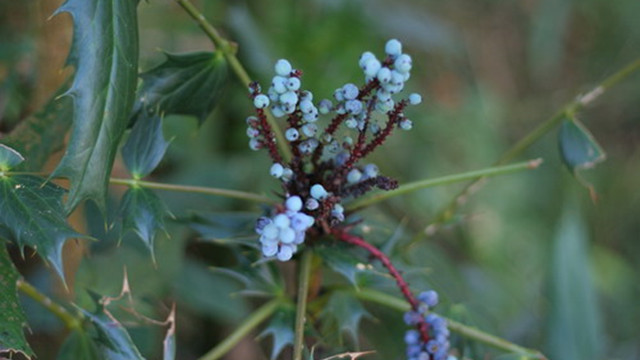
(423, 345)
(325, 169)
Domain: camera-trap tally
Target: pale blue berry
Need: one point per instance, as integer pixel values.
(415, 99)
(354, 176)
(309, 130)
(269, 249)
(366, 56)
(306, 95)
(293, 203)
(341, 158)
(370, 170)
(283, 67)
(252, 132)
(350, 91)
(288, 108)
(285, 253)
(287, 174)
(406, 124)
(397, 78)
(324, 106)
(383, 95)
(385, 106)
(279, 84)
(337, 209)
(318, 192)
(261, 223)
(310, 116)
(306, 106)
(338, 94)
(291, 134)
(277, 111)
(282, 221)
(353, 106)
(261, 101)
(270, 231)
(393, 47)
(411, 337)
(311, 204)
(293, 84)
(403, 63)
(351, 123)
(429, 297)
(308, 146)
(254, 144)
(289, 98)
(384, 75)
(301, 221)
(371, 67)
(287, 235)
(276, 170)
(252, 120)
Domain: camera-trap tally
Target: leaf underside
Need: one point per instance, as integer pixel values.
(31, 213)
(12, 318)
(145, 146)
(105, 56)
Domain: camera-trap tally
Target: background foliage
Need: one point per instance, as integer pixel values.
(530, 257)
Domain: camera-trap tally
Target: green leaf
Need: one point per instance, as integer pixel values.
(515, 357)
(145, 146)
(221, 225)
(341, 259)
(12, 318)
(105, 56)
(111, 338)
(281, 329)
(42, 134)
(346, 312)
(32, 213)
(579, 149)
(9, 158)
(78, 346)
(143, 212)
(575, 327)
(185, 84)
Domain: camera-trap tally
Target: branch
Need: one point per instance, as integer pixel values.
(301, 305)
(444, 180)
(568, 110)
(71, 321)
(229, 50)
(457, 327)
(243, 330)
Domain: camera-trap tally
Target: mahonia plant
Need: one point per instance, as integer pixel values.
(327, 168)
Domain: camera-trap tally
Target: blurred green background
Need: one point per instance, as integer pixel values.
(529, 258)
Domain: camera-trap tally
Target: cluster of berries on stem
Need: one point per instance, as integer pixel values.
(326, 167)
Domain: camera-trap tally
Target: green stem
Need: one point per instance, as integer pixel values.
(518, 148)
(195, 189)
(444, 180)
(454, 326)
(229, 50)
(243, 195)
(301, 306)
(243, 330)
(71, 322)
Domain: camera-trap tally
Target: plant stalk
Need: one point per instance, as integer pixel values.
(229, 50)
(301, 304)
(255, 319)
(71, 322)
(532, 137)
(444, 180)
(454, 326)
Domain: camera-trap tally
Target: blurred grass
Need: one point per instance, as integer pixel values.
(489, 72)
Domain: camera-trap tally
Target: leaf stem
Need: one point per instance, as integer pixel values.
(301, 304)
(195, 189)
(255, 319)
(229, 50)
(534, 135)
(396, 303)
(444, 180)
(71, 322)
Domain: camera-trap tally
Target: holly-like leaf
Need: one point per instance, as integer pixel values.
(346, 312)
(281, 329)
(12, 318)
(185, 84)
(143, 212)
(42, 134)
(105, 56)
(340, 259)
(221, 225)
(111, 338)
(78, 346)
(9, 157)
(145, 146)
(31, 212)
(579, 149)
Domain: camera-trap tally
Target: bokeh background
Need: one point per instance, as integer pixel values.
(530, 257)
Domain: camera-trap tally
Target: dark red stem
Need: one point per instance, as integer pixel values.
(269, 137)
(342, 235)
